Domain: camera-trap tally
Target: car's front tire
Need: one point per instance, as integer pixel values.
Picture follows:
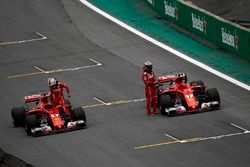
(30, 122)
(213, 95)
(79, 114)
(165, 102)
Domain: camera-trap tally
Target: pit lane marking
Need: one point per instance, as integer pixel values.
(238, 127)
(99, 100)
(196, 139)
(41, 37)
(42, 71)
(113, 103)
(168, 142)
(172, 137)
(38, 68)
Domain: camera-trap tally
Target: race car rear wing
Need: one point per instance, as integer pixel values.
(35, 97)
(172, 77)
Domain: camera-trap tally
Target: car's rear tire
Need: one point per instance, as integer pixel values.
(199, 82)
(213, 95)
(18, 116)
(79, 114)
(30, 122)
(165, 102)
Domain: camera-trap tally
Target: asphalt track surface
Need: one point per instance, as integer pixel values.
(74, 35)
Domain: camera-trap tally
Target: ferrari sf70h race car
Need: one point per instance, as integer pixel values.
(40, 117)
(176, 96)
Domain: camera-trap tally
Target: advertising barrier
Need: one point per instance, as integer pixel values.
(223, 33)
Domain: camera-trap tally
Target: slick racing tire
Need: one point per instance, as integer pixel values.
(213, 95)
(79, 114)
(165, 103)
(199, 82)
(18, 116)
(30, 122)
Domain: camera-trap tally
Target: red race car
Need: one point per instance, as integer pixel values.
(176, 96)
(44, 118)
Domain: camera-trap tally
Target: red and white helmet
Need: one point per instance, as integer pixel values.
(52, 82)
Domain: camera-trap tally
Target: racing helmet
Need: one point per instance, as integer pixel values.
(148, 66)
(52, 82)
(178, 80)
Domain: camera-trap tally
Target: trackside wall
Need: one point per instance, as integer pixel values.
(223, 33)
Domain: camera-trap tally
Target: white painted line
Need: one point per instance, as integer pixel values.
(99, 100)
(57, 70)
(220, 136)
(177, 53)
(135, 100)
(84, 67)
(195, 139)
(97, 63)
(172, 137)
(237, 126)
(112, 102)
(41, 37)
(36, 67)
